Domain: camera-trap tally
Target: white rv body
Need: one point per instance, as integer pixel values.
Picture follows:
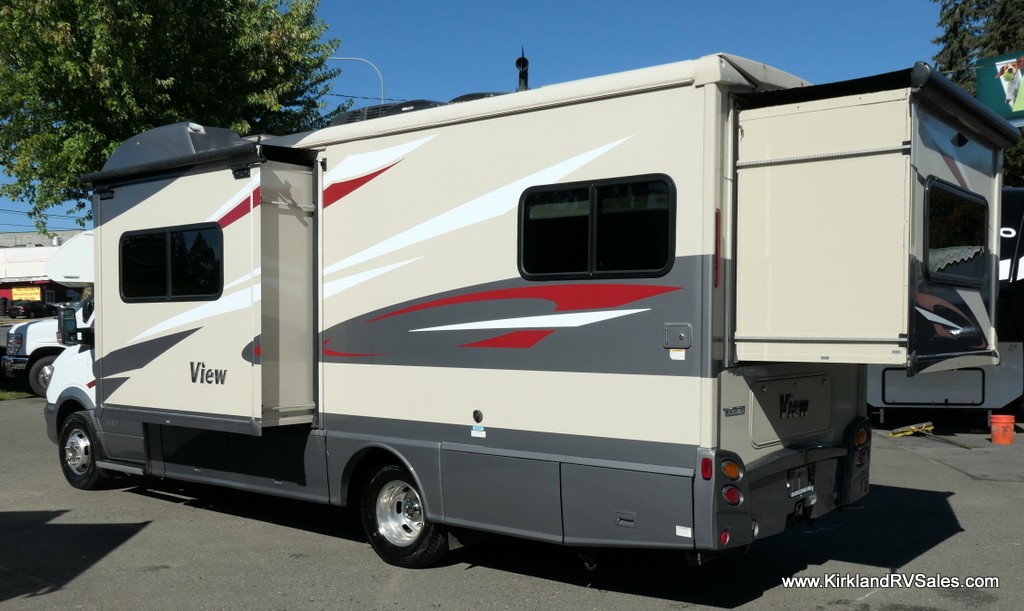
(544, 314)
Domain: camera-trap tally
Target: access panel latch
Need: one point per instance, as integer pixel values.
(678, 335)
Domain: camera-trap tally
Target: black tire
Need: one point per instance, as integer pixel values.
(78, 449)
(37, 382)
(395, 521)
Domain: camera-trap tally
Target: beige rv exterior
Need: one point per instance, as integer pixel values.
(604, 313)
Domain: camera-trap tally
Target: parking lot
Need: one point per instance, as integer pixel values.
(936, 514)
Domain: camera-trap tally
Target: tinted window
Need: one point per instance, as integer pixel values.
(957, 234)
(172, 264)
(620, 227)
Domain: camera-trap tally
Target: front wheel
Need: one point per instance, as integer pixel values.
(79, 450)
(39, 374)
(395, 523)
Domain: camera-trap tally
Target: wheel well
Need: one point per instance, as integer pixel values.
(66, 409)
(359, 470)
(40, 353)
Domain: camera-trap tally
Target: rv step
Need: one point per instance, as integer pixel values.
(293, 414)
(120, 467)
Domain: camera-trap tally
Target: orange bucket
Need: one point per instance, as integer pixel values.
(1002, 429)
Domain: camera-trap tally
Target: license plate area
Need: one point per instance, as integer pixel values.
(800, 481)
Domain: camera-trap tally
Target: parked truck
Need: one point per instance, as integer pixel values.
(630, 311)
(32, 346)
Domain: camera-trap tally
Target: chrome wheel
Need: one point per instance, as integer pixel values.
(78, 452)
(399, 513)
(45, 375)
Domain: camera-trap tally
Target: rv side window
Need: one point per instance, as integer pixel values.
(957, 228)
(621, 227)
(172, 264)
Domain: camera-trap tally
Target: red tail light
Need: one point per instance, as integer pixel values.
(705, 468)
(732, 495)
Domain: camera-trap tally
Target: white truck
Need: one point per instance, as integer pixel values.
(602, 313)
(32, 346)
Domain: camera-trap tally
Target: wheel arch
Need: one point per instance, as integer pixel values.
(364, 462)
(39, 353)
(74, 400)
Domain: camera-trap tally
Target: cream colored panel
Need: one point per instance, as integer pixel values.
(648, 408)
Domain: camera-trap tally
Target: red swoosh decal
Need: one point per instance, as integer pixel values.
(328, 352)
(516, 339)
(241, 209)
(338, 190)
(566, 297)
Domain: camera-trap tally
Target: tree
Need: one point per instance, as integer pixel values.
(78, 77)
(974, 29)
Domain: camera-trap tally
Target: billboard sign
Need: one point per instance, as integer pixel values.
(1001, 85)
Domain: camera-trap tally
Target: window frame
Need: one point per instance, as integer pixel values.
(973, 198)
(592, 221)
(167, 232)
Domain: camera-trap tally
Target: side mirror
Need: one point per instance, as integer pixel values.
(67, 328)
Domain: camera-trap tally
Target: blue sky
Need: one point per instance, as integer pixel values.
(442, 49)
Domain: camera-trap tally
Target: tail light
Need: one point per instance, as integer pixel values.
(862, 436)
(705, 468)
(732, 469)
(732, 495)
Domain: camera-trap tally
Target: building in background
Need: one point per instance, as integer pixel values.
(23, 258)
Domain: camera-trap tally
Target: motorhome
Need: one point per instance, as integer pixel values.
(629, 311)
(983, 389)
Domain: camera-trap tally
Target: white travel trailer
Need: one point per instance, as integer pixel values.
(633, 310)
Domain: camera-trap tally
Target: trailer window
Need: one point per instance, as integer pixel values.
(172, 264)
(621, 227)
(957, 229)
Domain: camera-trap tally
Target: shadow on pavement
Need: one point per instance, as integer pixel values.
(892, 528)
(38, 557)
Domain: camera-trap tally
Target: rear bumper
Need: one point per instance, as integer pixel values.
(792, 484)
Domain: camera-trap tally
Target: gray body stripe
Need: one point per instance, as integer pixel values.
(633, 343)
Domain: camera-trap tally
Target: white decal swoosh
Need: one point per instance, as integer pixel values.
(485, 207)
(361, 164)
(935, 318)
(241, 300)
(336, 286)
(548, 321)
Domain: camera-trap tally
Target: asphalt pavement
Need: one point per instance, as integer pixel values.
(937, 515)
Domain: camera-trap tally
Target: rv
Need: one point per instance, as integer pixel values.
(630, 311)
(983, 389)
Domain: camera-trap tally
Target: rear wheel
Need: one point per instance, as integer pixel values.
(395, 521)
(79, 450)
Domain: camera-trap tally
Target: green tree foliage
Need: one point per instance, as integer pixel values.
(974, 29)
(78, 77)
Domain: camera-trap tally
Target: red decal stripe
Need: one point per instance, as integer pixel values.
(515, 339)
(328, 352)
(338, 190)
(241, 209)
(567, 297)
(92, 384)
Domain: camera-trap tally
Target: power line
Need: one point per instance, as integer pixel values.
(22, 212)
